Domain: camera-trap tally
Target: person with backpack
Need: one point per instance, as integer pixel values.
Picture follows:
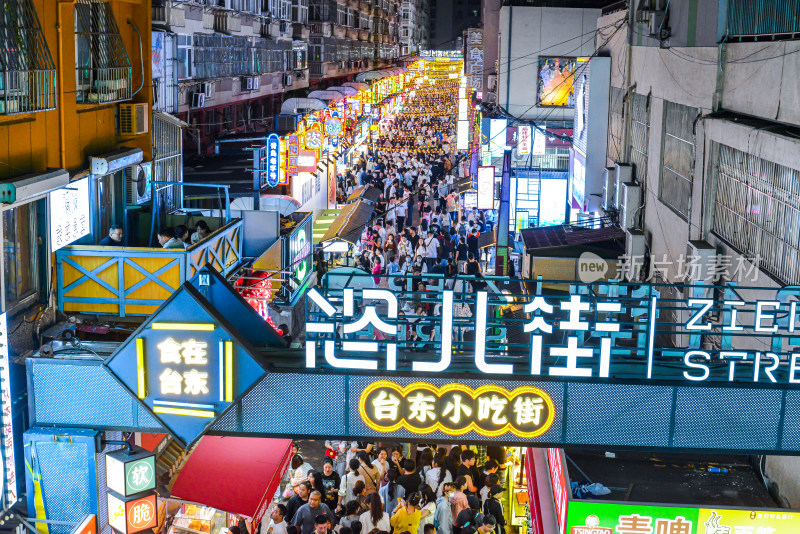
(469, 517)
(369, 472)
(493, 507)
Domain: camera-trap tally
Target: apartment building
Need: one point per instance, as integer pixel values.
(228, 64)
(76, 128)
(704, 119)
(414, 26)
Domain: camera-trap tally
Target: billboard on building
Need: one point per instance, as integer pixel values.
(473, 61)
(556, 81)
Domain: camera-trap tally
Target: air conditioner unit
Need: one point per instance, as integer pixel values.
(701, 261)
(256, 82)
(209, 89)
(133, 119)
(246, 83)
(198, 100)
(137, 183)
(287, 79)
(516, 156)
(629, 203)
(623, 173)
(609, 188)
(634, 250)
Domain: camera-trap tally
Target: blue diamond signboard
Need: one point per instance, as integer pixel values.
(187, 363)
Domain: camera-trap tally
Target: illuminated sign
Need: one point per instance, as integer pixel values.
(462, 109)
(497, 137)
(313, 138)
(273, 161)
(89, 523)
(455, 409)
(485, 188)
(70, 213)
(292, 151)
(334, 126)
(306, 161)
(128, 474)
(593, 517)
(462, 135)
(524, 140)
(299, 255)
(132, 516)
(558, 480)
(9, 482)
(539, 143)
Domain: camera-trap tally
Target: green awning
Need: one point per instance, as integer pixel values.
(322, 223)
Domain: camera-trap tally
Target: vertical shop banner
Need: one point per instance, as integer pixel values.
(69, 213)
(512, 136)
(157, 54)
(473, 60)
(8, 464)
(497, 137)
(524, 141)
(485, 188)
(558, 479)
(462, 135)
(539, 143)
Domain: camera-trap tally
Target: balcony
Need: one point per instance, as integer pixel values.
(325, 29)
(363, 35)
(227, 22)
(169, 15)
(352, 34)
(762, 20)
(300, 31)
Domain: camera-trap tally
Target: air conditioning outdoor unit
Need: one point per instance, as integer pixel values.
(133, 119)
(246, 83)
(287, 79)
(701, 260)
(137, 183)
(623, 173)
(209, 89)
(629, 203)
(609, 188)
(198, 100)
(634, 250)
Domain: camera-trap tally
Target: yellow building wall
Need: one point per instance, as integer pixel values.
(30, 142)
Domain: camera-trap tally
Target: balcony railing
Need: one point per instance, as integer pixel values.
(763, 20)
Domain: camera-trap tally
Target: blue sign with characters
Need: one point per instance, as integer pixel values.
(187, 363)
(273, 160)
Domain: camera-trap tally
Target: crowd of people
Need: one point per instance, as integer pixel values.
(179, 237)
(364, 489)
(419, 224)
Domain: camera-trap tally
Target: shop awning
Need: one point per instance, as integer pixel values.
(350, 222)
(365, 192)
(558, 236)
(322, 223)
(234, 474)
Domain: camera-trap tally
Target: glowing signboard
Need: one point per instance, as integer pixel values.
(455, 409)
(524, 140)
(558, 480)
(334, 127)
(306, 161)
(313, 138)
(593, 517)
(273, 161)
(292, 151)
(132, 516)
(485, 188)
(462, 135)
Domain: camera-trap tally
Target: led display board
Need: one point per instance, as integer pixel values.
(485, 188)
(556, 81)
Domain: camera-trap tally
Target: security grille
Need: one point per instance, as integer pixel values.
(269, 56)
(615, 125)
(640, 134)
(27, 72)
(103, 70)
(677, 170)
(219, 56)
(757, 210)
(167, 161)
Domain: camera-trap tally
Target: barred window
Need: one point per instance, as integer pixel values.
(219, 56)
(103, 70)
(677, 169)
(757, 210)
(640, 134)
(27, 72)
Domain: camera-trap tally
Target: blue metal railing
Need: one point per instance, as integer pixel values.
(763, 19)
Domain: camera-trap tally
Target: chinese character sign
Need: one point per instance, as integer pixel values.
(8, 461)
(273, 167)
(69, 213)
(456, 409)
(612, 518)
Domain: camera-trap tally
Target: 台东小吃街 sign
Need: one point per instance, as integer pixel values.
(455, 409)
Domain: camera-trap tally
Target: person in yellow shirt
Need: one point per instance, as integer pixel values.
(406, 516)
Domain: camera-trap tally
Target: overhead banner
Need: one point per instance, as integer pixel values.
(594, 517)
(485, 188)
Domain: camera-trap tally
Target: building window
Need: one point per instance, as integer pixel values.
(757, 210)
(300, 11)
(640, 134)
(184, 61)
(286, 10)
(677, 168)
(218, 56)
(20, 253)
(27, 72)
(103, 70)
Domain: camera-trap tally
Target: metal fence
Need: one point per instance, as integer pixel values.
(763, 20)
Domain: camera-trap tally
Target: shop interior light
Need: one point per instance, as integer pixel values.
(141, 388)
(204, 327)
